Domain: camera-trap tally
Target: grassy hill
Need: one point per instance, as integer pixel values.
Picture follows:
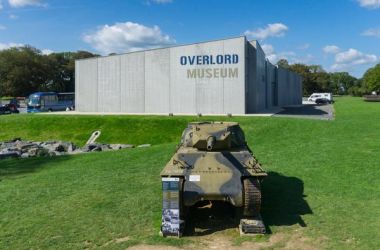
(323, 181)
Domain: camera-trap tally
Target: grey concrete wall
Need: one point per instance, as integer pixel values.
(282, 82)
(109, 84)
(261, 79)
(289, 88)
(270, 85)
(257, 82)
(86, 85)
(155, 81)
(251, 79)
(132, 79)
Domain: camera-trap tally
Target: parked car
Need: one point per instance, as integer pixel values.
(15, 102)
(316, 96)
(322, 101)
(8, 109)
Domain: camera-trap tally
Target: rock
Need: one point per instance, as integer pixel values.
(91, 147)
(42, 152)
(24, 146)
(49, 147)
(10, 149)
(61, 146)
(24, 155)
(105, 147)
(13, 140)
(8, 145)
(96, 149)
(56, 153)
(27, 149)
(144, 146)
(48, 143)
(65, 147)
(71, 147)
(39, 151)
(5, 155)
(32, 152)
(77, 151)
(120, 146)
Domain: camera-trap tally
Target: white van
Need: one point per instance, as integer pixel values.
(315, 96)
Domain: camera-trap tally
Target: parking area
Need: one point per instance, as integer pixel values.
(309, 111)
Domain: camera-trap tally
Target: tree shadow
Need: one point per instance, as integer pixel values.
(283, 201)
(10, 168)
(283, 204)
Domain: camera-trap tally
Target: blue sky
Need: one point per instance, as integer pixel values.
(340, 35)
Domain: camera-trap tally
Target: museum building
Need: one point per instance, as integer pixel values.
(229, 76)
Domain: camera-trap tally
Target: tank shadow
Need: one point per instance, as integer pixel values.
(204, 219)
(283, 204)
(283, 201)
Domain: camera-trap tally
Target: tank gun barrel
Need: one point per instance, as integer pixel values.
(210, 142)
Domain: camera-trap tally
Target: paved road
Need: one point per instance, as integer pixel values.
(309, 111)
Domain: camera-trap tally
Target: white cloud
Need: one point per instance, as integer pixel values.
(13, 16)
(1, 5)
(270, 53)
(23, 3)
(268, 49)
(271, 30)
(290, 56)
(331, 49)
(370, 4)
(46, 52)
(126, 37)
(304, 46)
(4, 46)
(372, 32)
(348, 59)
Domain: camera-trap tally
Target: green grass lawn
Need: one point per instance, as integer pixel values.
(324, 180)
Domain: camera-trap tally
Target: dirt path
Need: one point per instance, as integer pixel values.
(294, 241)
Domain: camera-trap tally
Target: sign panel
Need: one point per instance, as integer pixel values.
(224, 63)
(171, 207)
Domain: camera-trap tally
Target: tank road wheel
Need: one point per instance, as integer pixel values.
(252, 197)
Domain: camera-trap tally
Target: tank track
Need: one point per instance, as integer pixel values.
(252, 197)
(252, 222)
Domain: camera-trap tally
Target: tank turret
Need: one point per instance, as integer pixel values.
(213, 136)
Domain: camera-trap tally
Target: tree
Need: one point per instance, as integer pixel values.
(372, 78)
(309, 85)
(24, 70)
(283, 63)
(63, 78)
(342, 82)
(316, 79)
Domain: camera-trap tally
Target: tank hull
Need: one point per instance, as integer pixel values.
(213, 175)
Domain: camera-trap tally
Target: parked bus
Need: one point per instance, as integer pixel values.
(50, 101)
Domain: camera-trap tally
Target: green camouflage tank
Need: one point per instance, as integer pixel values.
(213, 162)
